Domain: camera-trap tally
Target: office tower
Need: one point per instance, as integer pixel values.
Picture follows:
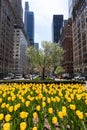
(66, 43)
(20, 39)
(6, 36)
(57, 25)
(29, 23)
(20, 45)
(79, 31)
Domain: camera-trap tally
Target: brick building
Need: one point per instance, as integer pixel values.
(66, 43)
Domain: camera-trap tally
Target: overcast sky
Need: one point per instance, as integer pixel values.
(43, 15)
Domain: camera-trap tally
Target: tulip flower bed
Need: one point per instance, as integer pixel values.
(43, 106)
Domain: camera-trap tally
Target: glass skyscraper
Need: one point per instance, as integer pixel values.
(29, 23)
(57, 25)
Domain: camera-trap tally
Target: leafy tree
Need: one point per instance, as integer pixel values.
(58, 70)
(47, 59)
(31, 54)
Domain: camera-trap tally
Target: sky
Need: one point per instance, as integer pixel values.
(43, 15)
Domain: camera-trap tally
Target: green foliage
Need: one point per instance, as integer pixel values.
(58, 70)
(31, 54)
(45, 60)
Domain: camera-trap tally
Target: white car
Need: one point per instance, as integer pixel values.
(82, 78)
(7, 78)
(18, 76)
(76, 77)
(79, 78)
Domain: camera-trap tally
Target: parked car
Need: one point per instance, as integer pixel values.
(9, 76)
(82, 78)
(1, 76)
(18, 76)
(76, 77)
(79, 77)
(86, 77)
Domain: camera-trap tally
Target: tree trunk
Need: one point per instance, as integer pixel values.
(43, 73)
(32, 72)
(54, 69)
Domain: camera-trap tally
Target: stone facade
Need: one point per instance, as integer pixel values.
(79, 29)
(6, 36)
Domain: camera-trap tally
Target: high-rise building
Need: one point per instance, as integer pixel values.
(20, 45)
(20, 39)
(29, 23)
(57, 25)
(6, 36)
(11, 14)
(67, 45)
(79, 31)
(17, 6)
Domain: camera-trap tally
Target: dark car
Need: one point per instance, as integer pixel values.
(1, 76)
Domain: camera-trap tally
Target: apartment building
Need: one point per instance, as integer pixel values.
(6, 36)
(19, 56)
(17, 6)
(79, 29)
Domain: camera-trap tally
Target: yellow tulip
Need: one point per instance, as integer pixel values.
(1, 116)
(43, 104)
(35, 115)
(86, 101)
(7, 117)
(23, 114)
(38, 108)
(3, 105)
(0, 100)
(72, 107)
(27, 103)
(6, 126)
(10, 108)
(54, 120)
(60, 114)
(50, 110)
(34, 128)
(48, 100)
(23, 126)
(79, 114)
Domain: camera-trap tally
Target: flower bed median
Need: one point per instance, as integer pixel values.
(40, 106)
